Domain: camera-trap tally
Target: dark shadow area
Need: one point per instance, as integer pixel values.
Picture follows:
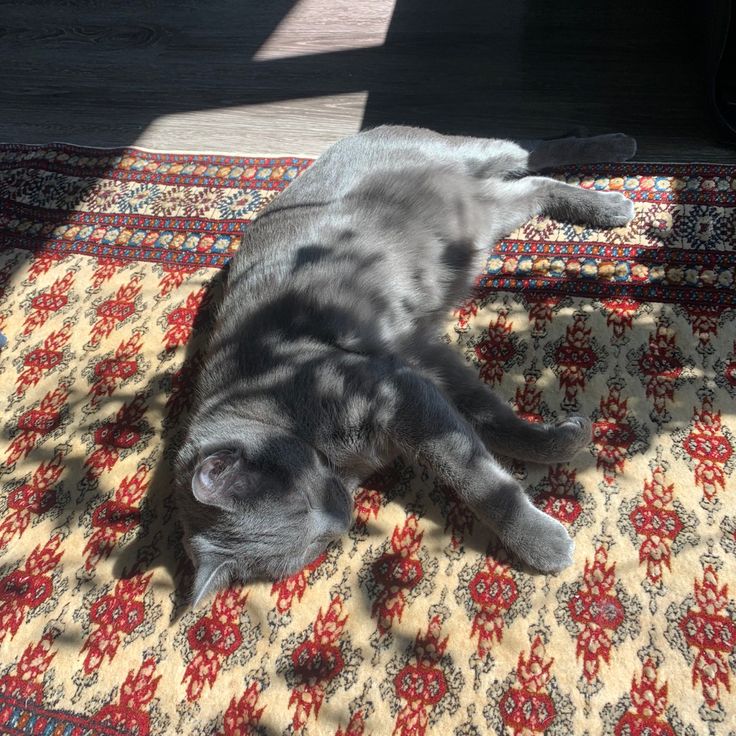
(101, 73)
(158, 542)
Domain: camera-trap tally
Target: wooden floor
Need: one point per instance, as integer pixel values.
(292, 76)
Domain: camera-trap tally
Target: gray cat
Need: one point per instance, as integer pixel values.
(325, 361)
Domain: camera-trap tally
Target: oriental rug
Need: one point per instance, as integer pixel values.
(416, 622)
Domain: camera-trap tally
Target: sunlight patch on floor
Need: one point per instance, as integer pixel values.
(311, 28)
(306, 127)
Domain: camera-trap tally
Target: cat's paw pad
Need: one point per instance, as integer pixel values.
(614, 210)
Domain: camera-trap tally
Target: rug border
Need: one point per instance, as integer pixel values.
(41, 711)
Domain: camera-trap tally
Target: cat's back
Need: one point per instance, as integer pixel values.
(355, 250)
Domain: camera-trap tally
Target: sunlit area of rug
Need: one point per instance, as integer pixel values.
(416, 622)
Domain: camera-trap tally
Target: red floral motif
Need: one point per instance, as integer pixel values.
(37, 423)
(496, 349)
(598, 611)
(528, 398)
(182, 380)
(464, 314)
(106, 269)
(647, 715)
(526, 707)
(27, 682)
(660, 366)
(704, 320)
(116, 436)
(708, 629)
(558, 497)
(114, 616)
(709, 449)
(27, 587)
(316, 662)
(612, 434)
(620, 314)
(658, 523)
(116, 516)
(370, 498)
(493, 591)
(355, 727)
(242, 716)
(213, 638)
(43, 263)
(367, 503)
(288, 589)
(173, 278)
(181, 320)
(43, 359)
(36, 497)
(421, 684)
(114, 311)
(575, 359)
(541, 310)
(396, 573)
(48, 302)
(109, 371)
(129, 714)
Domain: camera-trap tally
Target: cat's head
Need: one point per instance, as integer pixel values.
(257, 503)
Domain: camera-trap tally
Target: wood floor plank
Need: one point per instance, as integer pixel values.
(292, 77)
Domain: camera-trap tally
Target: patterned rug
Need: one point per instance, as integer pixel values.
(416, 622)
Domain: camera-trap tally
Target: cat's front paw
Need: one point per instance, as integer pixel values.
(540, 541)
(614, 210)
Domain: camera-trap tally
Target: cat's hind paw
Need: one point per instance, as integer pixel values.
(571, 436)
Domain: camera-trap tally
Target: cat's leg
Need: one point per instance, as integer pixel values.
(511, 203)
(413, 414)
(499, 427)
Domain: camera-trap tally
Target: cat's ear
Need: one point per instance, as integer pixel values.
(216, 478)
(209, 575)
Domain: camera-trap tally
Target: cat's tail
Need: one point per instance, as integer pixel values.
(559, 152)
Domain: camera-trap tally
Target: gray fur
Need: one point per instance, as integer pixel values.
(325, 361)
